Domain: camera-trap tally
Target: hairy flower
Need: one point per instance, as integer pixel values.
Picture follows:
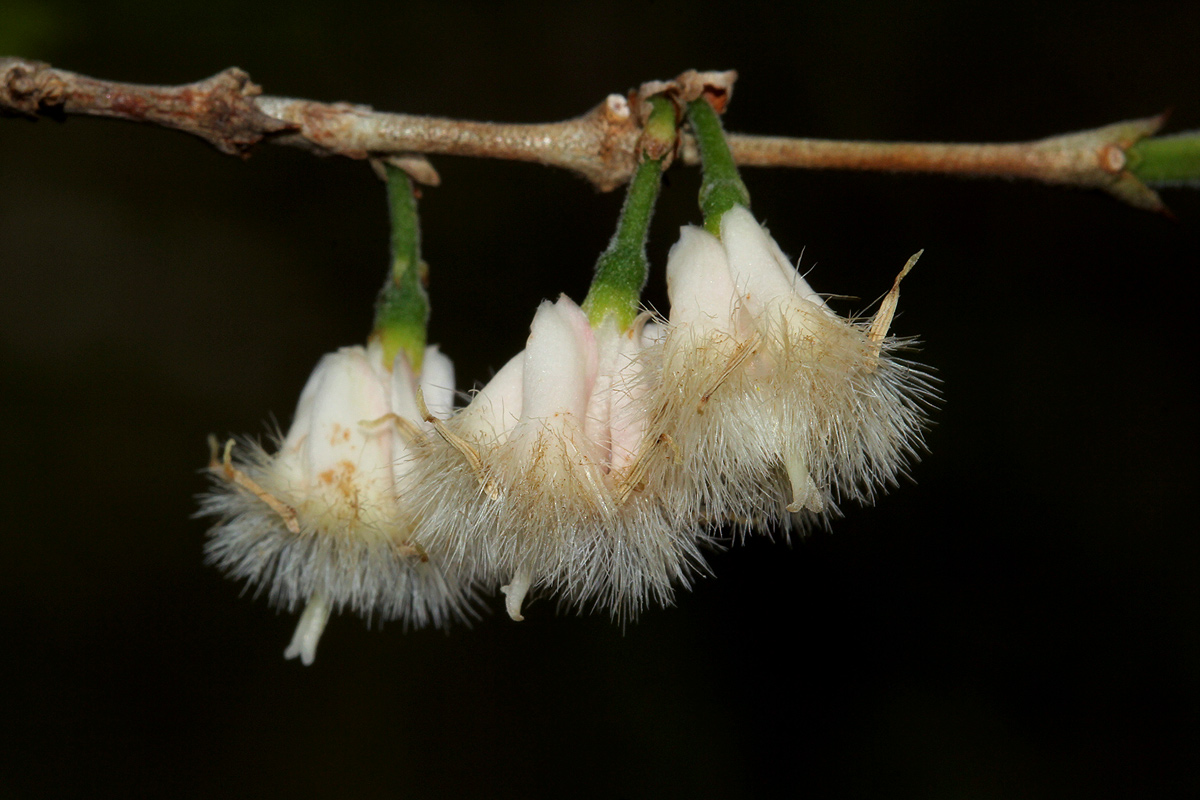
(318, 522)
(777, 408)
(539, 482)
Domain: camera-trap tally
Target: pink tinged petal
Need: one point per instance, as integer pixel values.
(699, 285)
(583, 332)
(560, 363)
(628, 421)
(496, 408)
(597, 422)
(614, 424)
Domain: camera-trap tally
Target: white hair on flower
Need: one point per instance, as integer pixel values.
(319, 523)
(539, 482)
(778, 408)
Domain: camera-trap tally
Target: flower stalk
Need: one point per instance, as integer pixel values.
(402, 310)
(622, 269)
(721, 188)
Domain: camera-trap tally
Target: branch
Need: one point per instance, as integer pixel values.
(1093, 159)
(229, 112)
(598, 145)
(220, 110)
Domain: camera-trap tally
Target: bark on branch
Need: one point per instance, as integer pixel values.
(220, 109)
(229, 111)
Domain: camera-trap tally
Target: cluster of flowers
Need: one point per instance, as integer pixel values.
(592, 468)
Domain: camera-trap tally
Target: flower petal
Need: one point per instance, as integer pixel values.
(762, 274)
(496, 408)
(336, 457)
(701, 290)
(560, 362)
(437, 383)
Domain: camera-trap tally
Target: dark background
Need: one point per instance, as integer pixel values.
(1019, 622)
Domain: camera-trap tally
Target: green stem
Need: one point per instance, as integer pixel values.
(721, 188)
(622, 268)
(1167, 160)
(402, 310)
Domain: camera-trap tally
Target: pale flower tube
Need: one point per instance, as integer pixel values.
(777, 407)
(319, 523)
(538, 484)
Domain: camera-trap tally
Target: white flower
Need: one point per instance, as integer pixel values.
(773, 402)
(319, 522)
(539, 482)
